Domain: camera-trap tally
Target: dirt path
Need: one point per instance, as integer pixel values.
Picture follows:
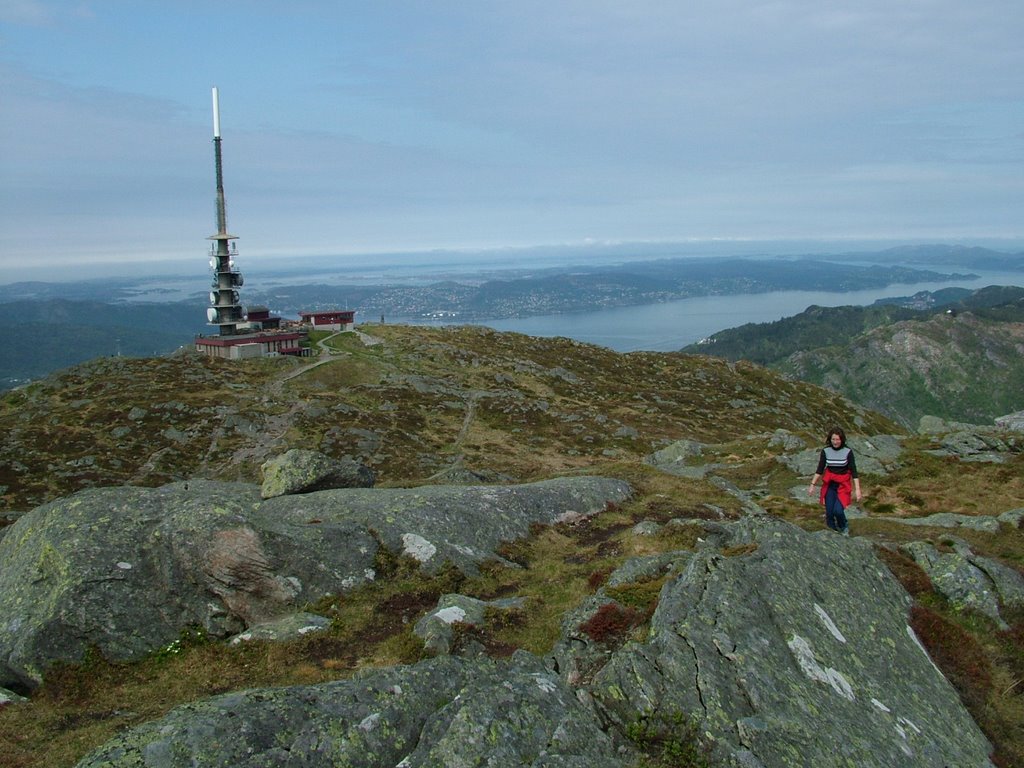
(327, 355)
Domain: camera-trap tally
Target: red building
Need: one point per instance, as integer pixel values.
(260, 319)
(330, 320)
(241, 346)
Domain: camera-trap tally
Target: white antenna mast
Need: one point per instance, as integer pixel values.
(216, 114)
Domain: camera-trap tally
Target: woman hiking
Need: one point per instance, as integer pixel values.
(837, 470)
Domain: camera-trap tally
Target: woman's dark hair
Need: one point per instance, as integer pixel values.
(836, 431)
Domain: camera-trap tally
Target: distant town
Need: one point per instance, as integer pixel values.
(580, 289)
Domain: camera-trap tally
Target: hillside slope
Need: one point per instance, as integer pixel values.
(425, 402)
(44, 335)
(960, 368)
(903, 362)
(712, 450)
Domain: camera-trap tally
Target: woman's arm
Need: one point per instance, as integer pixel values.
(817, 472)
(856, 480)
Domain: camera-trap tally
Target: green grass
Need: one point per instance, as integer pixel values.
(668, 741)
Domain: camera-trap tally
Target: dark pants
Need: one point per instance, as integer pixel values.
(835, 515)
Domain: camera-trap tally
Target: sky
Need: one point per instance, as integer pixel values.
(361, 128)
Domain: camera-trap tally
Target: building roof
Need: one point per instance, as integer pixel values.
(323, 312)
(246, 338)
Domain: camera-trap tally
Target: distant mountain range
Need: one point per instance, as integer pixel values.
(953, 255)
(579, 289)
(954, 354)
(53, 325)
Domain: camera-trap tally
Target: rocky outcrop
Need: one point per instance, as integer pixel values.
(126, 570)
(781, 648)
(10, 697)
(1011, 421)
(982, 444)
(301, 471)
(790, 649)
(967, 580)
(876, 454)
(951, 520)
(974, 442)
(448, 711)
(679, 458)
(284, 628)
(1013, 517)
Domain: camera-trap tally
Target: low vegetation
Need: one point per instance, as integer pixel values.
(903, 362)
(669, 742)
(428, 402)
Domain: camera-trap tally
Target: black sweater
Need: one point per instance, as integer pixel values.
(839, 461)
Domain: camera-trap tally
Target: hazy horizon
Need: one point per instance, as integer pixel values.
(400, 127)
(507, 258)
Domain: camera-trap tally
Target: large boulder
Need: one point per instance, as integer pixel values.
(126, 570)
(787, 648)
(301, 471)
(445, 712)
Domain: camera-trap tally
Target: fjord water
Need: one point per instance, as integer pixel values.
(656, 327)
(675, 324)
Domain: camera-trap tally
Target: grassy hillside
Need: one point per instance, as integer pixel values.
(962, 368)
(815, 327)
(905, 363)
(425, 401)
(426, 405)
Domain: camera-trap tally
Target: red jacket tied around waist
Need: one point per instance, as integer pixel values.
(844, 486)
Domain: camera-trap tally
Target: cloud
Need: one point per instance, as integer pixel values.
(36, 13)
(28, 12)
(418, 124)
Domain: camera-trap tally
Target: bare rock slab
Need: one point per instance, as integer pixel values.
(126, 570)
(445, 712)
(791, 649)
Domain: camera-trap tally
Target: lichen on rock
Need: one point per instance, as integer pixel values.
(783, 654)
(127, 570)
(303, 471)
(446, 711)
